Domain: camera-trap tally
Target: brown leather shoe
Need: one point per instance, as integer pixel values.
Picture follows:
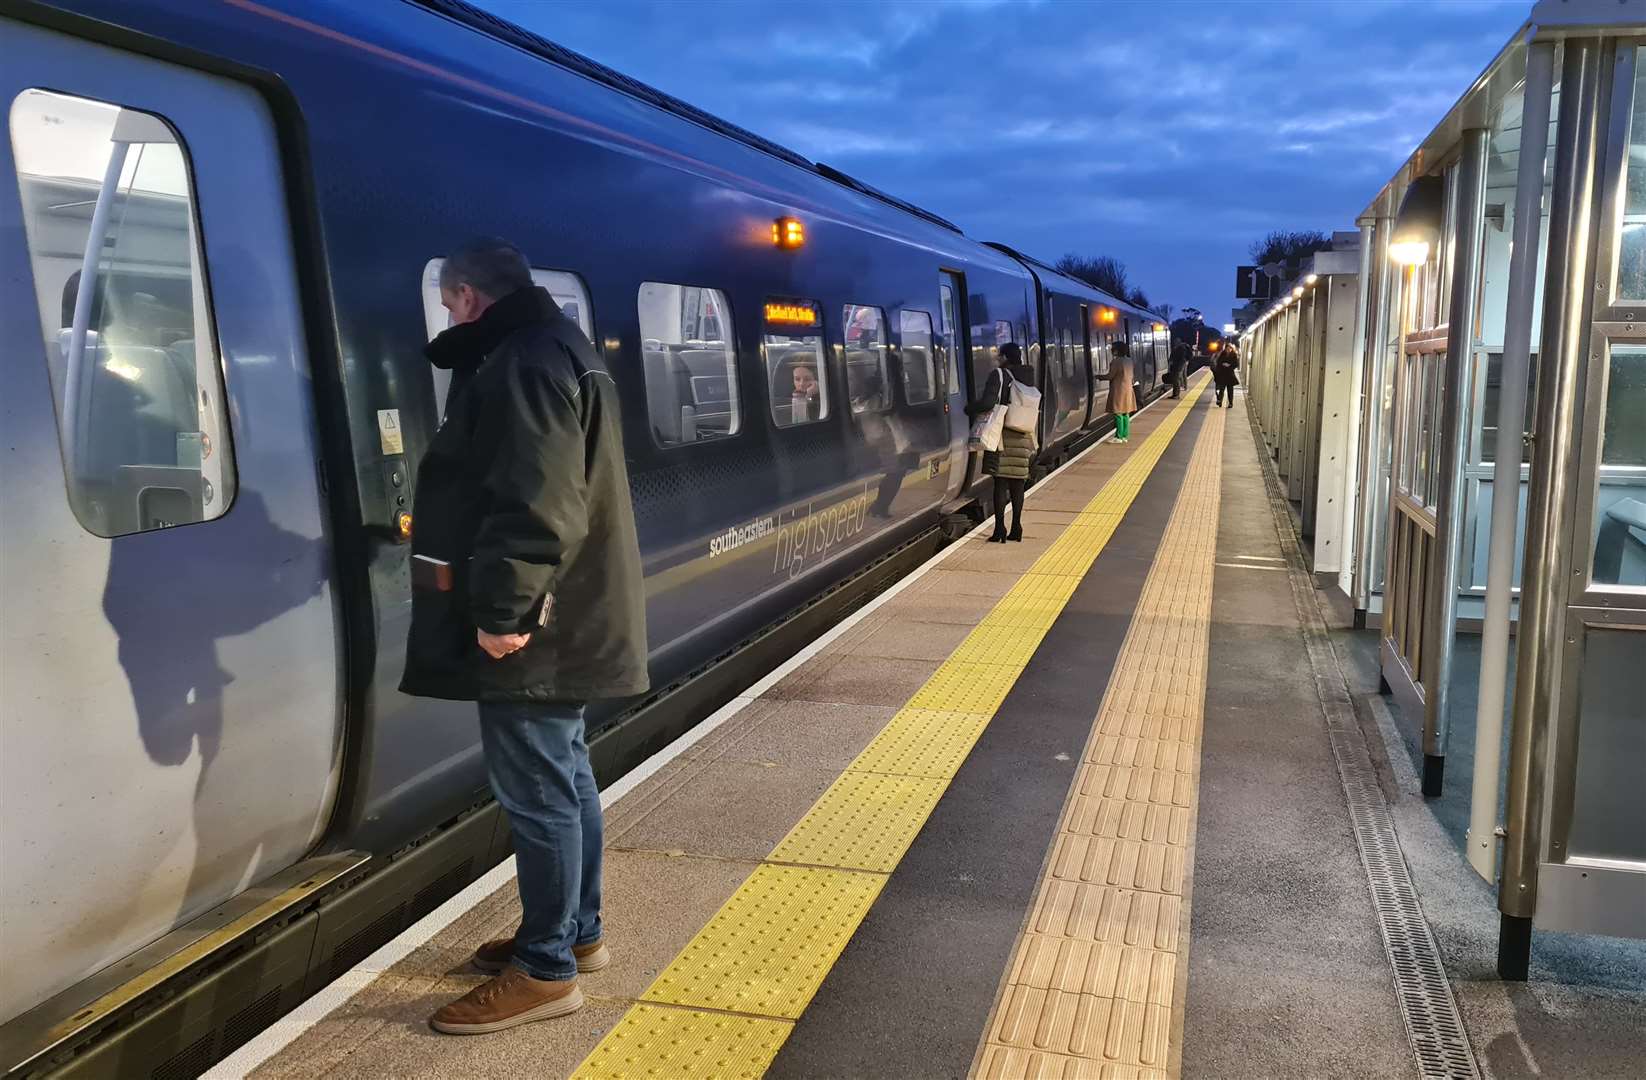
(494, 956)
(511, 999)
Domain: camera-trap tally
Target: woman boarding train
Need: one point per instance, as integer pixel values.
(1009, 465)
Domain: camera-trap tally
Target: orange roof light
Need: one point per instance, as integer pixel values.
(1214, 346)
(1107, 315)
(1159, 328)
(788, 233)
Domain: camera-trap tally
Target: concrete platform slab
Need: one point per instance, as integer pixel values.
(859, 680)
(731, 809)
(803, 734)
(904, 638)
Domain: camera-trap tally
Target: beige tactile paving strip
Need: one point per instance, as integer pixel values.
(1089, 990)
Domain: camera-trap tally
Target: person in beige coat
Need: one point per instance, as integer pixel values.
(1122, 391)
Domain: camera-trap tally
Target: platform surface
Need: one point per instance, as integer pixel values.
(1062, 808)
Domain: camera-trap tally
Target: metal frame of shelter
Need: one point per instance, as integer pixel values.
(1466, 509)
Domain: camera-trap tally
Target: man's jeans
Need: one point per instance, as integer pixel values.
(539, 768)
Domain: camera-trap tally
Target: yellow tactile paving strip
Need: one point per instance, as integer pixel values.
(724, 1006)
(1089, 989)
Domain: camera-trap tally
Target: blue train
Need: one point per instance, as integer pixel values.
(222, 228)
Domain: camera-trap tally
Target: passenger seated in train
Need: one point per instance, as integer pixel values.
(807, 396)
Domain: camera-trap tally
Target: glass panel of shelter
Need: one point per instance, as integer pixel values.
(1613, 464)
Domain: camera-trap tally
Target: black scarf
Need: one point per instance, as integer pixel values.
(461, 348)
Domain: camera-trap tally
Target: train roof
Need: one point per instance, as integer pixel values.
(1048, 272)
(495, 26)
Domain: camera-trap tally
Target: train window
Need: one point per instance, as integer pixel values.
(868, 382)
(921, 376)
(690, 363)
(108, 213)
(566, 288)
(795, 371)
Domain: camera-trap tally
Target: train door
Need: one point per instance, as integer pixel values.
(951, 292)
(1088, 364)
(171, 668)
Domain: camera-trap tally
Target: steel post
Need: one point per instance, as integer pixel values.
(1511, 420)
(1563, 352)
(1451, 447)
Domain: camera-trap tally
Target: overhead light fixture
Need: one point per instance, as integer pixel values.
(1311, 279)
(1228, 328)
(1297, 293)
(1417, 226)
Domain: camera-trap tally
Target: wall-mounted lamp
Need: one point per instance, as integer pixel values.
(1417, 225)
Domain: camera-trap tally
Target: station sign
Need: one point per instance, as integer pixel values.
(1253, 283)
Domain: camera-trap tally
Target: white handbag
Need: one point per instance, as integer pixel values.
(1022, 406)
(986, 432)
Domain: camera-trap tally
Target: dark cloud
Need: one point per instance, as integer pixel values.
(1169, 134)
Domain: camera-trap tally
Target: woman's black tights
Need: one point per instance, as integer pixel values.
(1005, 489)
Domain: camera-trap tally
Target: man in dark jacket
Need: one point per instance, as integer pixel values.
(1177, 366)
(527, 598)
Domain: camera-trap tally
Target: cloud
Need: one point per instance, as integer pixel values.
(1167, 135)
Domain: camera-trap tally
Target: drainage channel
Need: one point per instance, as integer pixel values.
(1433, 1026)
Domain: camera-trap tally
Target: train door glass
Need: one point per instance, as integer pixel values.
(185, 677)
(950, 293)
(1088, 361)
(566, 287)
(129, 339)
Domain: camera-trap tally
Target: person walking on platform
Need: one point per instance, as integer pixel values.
(528, 599)
(1177, 367)
(1122, 392)
(1010, 464)
(1224, 375)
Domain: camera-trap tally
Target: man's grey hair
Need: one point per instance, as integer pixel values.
(492, 267)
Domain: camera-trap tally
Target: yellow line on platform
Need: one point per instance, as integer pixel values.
(1089, 988)
(725, 1005)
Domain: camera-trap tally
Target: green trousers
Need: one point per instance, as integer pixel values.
(1123, 426)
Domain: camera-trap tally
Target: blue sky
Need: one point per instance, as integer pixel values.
(1169, 134)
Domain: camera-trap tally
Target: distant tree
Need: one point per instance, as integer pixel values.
(1139, 297)
(1191, 329)
(1284, 244)
(1103, 272)
(1164, 310)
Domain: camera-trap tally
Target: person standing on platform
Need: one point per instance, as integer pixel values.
(527, 597)
(1122, 392)
(1224, 375)
(1177, 367)
(1010, 464)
